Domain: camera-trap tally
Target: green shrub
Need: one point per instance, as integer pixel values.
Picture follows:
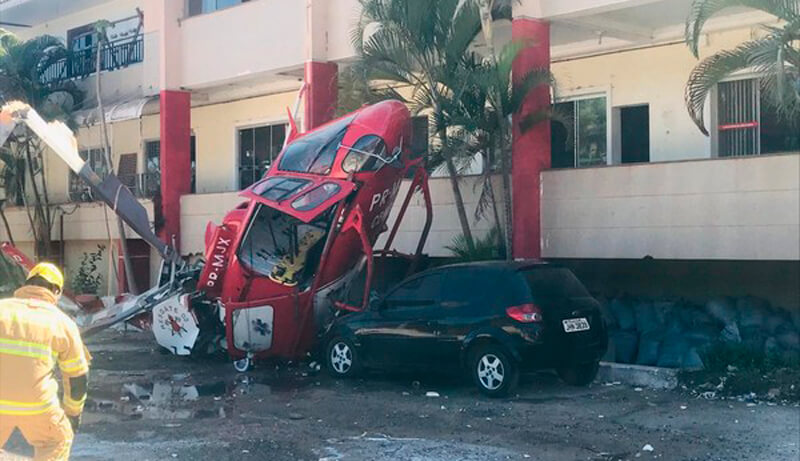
(87, 279)
(488, 247)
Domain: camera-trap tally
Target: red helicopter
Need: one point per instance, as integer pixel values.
(282, 263)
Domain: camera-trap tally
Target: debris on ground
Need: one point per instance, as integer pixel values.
(432, 394)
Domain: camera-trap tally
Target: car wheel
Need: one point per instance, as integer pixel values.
(341, 358)
(493, 371)
(579, 375)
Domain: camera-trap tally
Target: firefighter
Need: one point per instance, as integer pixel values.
(35, 336)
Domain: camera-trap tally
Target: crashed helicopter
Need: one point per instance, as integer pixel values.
(278, 267)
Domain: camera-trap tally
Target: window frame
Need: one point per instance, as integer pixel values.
(593, 93)
(237, 141)
(711, 112)
(384, 305)
(187, 8)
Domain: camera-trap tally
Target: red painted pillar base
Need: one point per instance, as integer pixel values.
(321, 93)
(175, 162)
(530, 151)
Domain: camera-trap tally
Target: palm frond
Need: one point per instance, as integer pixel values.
(703, 10)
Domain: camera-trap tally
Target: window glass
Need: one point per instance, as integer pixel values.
(579, 133)
(315, 152)
(207, 6)
(554, 282)
(361, 157)
(468, 286)
(590, 136)
(748, 123)
(277, 189)
(284, 248)
(258, 148)
(420, 291)
(315, 197)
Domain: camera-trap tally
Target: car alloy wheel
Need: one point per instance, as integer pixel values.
(491, 372)
(341, 357)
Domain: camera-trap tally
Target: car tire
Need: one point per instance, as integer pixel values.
(341, 358)
(493, 370)
(579, 375)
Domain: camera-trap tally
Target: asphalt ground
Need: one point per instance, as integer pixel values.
(144, 405)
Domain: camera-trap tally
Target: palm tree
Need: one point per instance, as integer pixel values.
(23, 76)
(484, 112)
(775, 57)
(422, 45)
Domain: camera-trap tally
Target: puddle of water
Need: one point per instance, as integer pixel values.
(178, 398)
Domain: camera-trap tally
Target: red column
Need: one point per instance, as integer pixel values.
(176, 166)
(530, 151)
(321, 93)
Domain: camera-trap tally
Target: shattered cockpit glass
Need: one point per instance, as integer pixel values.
(284, 248)
(279, 188)
(315, 152)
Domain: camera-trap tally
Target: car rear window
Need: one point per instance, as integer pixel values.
(554, 282)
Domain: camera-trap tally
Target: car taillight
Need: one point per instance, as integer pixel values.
(525, 313)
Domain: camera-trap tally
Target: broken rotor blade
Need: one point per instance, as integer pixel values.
(62, 141)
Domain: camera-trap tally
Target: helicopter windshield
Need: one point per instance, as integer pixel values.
(282, 247)
(315, 152)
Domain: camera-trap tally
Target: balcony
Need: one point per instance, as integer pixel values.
(81, 64)
(246, 42)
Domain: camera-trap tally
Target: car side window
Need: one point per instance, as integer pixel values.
(422, 292)
(467, 286)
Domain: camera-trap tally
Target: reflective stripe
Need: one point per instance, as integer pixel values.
(80, 364)
(9, 407)
(26, 349)
(74, 406)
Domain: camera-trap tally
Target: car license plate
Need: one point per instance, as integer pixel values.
(573, 325)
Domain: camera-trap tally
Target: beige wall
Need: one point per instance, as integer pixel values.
(198, 210)
(743, 208)
(216, 130)
(256, 37)
(655, 76)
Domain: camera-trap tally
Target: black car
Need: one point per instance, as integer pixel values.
(492, 319)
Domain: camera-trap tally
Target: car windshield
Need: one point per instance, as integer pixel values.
(284, 248)
(554, 282)
(315, 152)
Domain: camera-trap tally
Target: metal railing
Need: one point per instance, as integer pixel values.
(144, 186)
(81, 64)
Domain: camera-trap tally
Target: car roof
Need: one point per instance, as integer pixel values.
(514, 265)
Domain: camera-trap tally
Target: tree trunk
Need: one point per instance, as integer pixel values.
(462, 212)
(5, 224)
(39, 213)
(123, 240)
(507, 206)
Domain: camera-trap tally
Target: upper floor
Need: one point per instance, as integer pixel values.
(223, 50)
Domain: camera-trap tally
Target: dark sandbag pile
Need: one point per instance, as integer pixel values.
(674, 333)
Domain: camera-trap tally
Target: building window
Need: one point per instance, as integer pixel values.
(150, 181)
(208, 6)
(258, 148)
(79, 191)
(420, 136)
(747, 124)
(580, 134)
(634, 134)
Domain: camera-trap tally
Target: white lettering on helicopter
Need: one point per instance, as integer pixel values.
(218, 260)
(381, 200)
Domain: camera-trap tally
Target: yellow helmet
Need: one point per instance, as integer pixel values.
(49, 272)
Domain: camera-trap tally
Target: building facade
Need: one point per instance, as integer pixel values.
(635, 199)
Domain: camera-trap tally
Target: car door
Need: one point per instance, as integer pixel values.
(400, 334)
(466, 305)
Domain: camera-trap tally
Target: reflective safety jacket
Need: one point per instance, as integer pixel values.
(35, 336)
